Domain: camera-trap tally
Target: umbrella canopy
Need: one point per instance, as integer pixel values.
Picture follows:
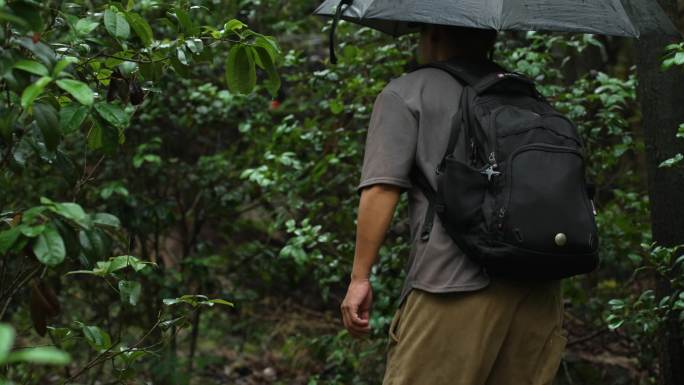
(608, 17)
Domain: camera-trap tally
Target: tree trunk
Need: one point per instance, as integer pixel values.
(662, 104)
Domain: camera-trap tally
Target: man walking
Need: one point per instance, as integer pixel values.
(455, 324)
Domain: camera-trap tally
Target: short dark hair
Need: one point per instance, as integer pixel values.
(476, 40)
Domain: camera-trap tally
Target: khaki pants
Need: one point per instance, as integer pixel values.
(509, 333)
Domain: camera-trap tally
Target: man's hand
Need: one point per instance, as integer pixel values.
(356, 308)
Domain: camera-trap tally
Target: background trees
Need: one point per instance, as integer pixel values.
(144, 187)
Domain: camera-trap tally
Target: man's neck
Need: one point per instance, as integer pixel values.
(450, 53)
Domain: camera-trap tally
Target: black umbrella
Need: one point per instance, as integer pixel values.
(631, 18)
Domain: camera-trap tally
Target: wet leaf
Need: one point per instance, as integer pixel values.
(47, 121)
(49, 247)
(79, 90)
(116, 24)
(141, 27)
(44, 355)
(130, 292)
(33, 91)
(71, 117)
(32, 67)
(240, 70)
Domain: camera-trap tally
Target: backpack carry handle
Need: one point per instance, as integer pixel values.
(494, 79)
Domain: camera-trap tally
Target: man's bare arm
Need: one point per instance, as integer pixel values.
(376, 210)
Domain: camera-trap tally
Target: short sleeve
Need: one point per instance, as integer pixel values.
(391, 143)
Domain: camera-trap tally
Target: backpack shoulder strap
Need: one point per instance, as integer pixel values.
(469, 74)
(421, 180)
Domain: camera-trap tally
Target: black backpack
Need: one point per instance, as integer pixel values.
(513, 195)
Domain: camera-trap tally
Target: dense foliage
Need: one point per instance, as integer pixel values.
(167, 218)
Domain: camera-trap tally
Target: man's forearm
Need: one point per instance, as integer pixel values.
(376, 210)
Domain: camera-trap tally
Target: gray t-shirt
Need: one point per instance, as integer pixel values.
(410, 124)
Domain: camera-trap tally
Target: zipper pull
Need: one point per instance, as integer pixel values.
(502, 212)
(492, 158)
(490, 172)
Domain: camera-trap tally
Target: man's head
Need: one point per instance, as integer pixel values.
(439, 42)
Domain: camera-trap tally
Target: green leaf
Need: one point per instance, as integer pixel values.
(141, 27)
(33, 91)
(240, 70)
(17, 21)
(105, 268)
(94, 244)
(182, 56)
(266, 60)
(269, 44)
(679, 58)
(29, 12)
(40, 50)
(186, 23)
(105, 219)
(113, 188)
(680, 131)
(79, 90)
(8, 238)
(72, 211)
(113, 114)
(7, 336)
(124, 261)
(116, 24)
(171, 301)
(672, 161)
(34, 213)
(130, 292)
(96, 137)
(49, 247)
(128, 68)
(69, 210)
(222, 302)
(97, 338)
(44, 355)
(32, 231)
(32, 66)
(85, 26)
(62, 64)
(234, 25)
(47, 121)
(336, 106)
(71, 117)
(196, 46)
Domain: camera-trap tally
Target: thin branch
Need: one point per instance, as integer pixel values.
(16, 289)
(104, 356)
(588, 337)
(87, 177)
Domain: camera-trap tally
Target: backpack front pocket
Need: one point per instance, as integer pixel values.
(546, 205)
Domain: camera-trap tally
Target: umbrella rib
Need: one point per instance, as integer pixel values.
(635, 28)
(499, 24)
